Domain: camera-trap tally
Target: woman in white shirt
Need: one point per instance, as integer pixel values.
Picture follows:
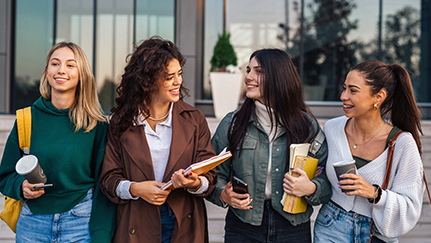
(378, 101)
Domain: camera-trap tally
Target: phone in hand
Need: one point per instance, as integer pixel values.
(239, 186)
(38, 187)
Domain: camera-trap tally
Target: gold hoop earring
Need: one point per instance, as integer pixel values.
(375, 106)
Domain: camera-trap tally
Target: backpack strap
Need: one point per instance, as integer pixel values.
(23, 121)
(316, 144)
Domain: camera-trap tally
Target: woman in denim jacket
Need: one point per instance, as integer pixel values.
(259, 135)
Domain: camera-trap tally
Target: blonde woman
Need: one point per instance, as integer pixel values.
(68, 138)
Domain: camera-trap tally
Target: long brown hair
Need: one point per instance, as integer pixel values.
(86, 111)
(282, 92)
(139, 81)
(400, 104)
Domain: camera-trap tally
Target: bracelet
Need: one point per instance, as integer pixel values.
(377, 194)
(197, 188)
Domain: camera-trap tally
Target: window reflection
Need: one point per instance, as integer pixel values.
(213, 27)
(155, 18)
(340, 34)
(75, 23)
(33, 40)
(114, 41)
(252, 25)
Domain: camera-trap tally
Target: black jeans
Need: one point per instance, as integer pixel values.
(274, 228)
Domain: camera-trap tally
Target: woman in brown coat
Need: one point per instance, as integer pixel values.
(153, 136)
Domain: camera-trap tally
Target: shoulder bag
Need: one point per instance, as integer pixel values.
(12, 207)
(391, 147)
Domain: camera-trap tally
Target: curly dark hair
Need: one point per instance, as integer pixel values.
(140, 80)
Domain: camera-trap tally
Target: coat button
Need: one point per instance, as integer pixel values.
(189, 215)
(132, 231)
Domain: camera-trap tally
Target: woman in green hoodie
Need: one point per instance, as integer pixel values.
(68, 138)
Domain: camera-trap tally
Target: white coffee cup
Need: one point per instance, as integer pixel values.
(28, 166)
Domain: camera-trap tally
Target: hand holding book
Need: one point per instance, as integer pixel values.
(190, 181)
(203, 166)
(299, 159)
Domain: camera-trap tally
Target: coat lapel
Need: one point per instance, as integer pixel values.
(182, 134)
(135, 143)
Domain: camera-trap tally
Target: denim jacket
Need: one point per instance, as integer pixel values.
(252, 168)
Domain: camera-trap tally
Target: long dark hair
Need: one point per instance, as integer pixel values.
(400, 104)
(281, 89)
(140, 80)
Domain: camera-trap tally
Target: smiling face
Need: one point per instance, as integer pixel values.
(253, 81)
(62, 72)
(357, 98)
(170, 83)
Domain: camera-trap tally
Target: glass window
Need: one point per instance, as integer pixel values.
(33, 39)
(155, 18)
(251, 25)
(114, 41)
(401, 37)
(75, 23)
(336, 35)
(213, 27)
(340, 34)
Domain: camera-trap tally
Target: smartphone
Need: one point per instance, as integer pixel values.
(239, 186)
(38, 187)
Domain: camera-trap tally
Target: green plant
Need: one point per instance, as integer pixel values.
(223, 54)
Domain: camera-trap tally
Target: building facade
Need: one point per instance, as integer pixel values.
(325, 38)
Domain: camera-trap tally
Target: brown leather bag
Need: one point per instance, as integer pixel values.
(391, 147)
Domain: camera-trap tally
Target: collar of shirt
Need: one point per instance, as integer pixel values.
(167, 122)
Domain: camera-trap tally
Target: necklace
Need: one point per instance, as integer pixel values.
(159, 119)
(356, 145)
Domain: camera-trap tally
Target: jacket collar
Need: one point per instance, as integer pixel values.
(183, 130)
(253, 119)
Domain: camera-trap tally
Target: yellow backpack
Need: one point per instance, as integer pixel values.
(12, 207)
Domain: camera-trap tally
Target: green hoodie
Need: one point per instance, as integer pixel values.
(71, 161)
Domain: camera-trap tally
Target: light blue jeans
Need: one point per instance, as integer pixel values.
(333, 224)
(70, 226)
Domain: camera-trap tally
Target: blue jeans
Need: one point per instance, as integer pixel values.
(333, 224)
(168, 222)
(274, 228)
(70, 226)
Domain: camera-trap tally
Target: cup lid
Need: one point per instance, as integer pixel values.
(26, 164)
(343, 163)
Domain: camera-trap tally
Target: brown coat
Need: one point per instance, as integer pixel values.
(128, 158)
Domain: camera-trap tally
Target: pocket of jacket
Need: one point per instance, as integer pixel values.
(243, 166)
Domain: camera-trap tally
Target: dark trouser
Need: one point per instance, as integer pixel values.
(168, 222)
(274, 228)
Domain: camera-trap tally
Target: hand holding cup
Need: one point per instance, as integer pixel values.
(344, 167)
(28, 166)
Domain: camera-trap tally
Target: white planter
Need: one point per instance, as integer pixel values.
(226, 88)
